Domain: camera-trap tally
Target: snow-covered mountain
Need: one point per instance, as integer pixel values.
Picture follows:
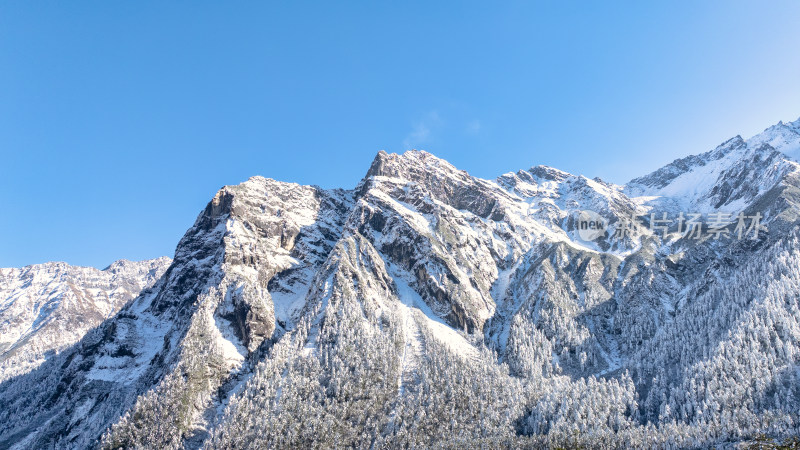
(45, 308)
(429, 307)
(726, 178)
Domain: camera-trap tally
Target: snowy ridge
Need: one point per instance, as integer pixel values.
(44, 308)
(728, 177)
(785, 137)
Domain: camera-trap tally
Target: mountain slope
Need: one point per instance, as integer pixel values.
(48, 307)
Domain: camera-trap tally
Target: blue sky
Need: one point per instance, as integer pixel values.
(120, 120)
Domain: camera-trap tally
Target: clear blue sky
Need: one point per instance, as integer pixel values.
(120, 120)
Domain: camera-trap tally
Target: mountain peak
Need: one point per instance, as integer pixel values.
(667, 174)
(783, 137)
(549, 173)
(407, 165)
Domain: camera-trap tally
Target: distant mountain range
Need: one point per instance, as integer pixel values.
(426, 307)
(45, 308)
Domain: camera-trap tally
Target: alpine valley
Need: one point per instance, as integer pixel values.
(426, 307)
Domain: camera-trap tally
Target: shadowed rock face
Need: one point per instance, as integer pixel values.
(418, 251)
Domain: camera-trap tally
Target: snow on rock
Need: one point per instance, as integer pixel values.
(45, 308)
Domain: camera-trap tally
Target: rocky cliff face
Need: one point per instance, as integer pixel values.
(426, 306)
